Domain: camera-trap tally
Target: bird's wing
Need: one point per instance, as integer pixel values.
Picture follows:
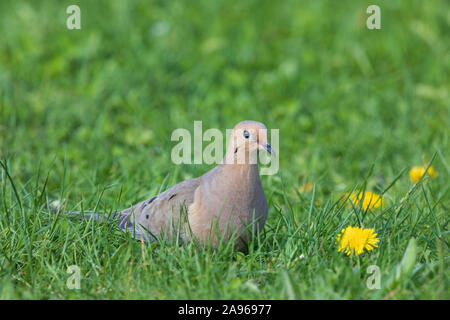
(161, 215)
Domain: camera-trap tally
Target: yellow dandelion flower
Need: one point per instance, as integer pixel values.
(417, 172)
(355, 240)
(369, 199)
(305, 187)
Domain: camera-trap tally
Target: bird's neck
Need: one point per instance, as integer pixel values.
(240, 156)
(244, 173)
(236, 167)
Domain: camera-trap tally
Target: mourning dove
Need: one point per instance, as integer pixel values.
(227, 202)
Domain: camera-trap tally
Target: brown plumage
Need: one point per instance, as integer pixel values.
(227, 201)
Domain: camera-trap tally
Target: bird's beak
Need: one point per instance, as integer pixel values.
(268, 148)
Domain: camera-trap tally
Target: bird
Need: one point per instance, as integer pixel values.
(227, 203)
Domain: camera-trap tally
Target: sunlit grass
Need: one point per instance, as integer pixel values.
(87, 116)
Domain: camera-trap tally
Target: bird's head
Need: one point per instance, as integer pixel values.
(248, 137)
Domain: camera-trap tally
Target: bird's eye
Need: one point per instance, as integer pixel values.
(246, 134)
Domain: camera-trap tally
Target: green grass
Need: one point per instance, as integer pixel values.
(86, 115)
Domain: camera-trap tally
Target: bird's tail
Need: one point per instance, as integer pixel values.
(124, 220)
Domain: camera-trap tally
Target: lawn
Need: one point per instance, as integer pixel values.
(87, 115)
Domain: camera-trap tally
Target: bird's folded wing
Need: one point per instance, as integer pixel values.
(161, 213)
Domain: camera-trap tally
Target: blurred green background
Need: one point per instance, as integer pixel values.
(96, 107)
(109, 95)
